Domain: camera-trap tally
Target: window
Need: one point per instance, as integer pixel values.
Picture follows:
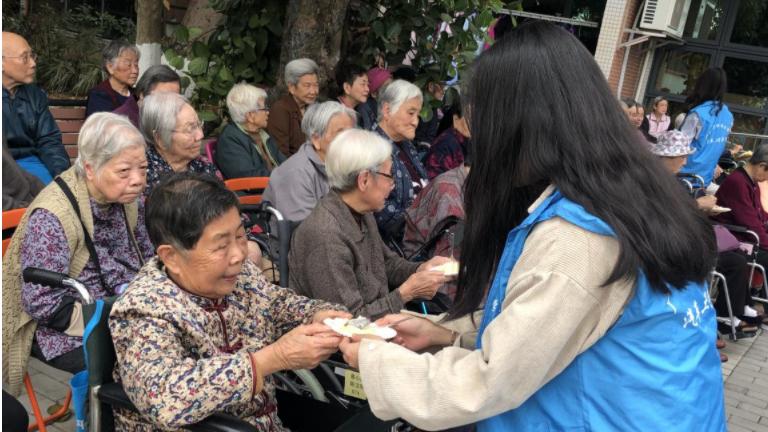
(679, 71)
(747, 82)
(705, 19)
(751, 19)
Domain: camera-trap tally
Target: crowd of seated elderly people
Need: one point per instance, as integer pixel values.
(144, 216)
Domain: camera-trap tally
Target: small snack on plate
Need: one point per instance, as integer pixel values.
(359, 326)
(450, 268)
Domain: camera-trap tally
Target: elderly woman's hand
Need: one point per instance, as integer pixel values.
(320, 316)
(304, 347)
(422, 285)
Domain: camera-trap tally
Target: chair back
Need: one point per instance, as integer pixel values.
(11, 219)
(249, 189)
(210, 150)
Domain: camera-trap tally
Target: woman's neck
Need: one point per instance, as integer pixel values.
(390, 133)
(348, 101)
(659, 116)
(353, 201)
(119, 87)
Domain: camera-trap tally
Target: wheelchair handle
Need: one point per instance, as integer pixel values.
(55, 279)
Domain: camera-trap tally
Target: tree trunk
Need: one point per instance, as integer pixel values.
(199, 14)
(313, 29)
(149, 31)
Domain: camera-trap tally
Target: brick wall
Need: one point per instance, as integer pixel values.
(636, 55)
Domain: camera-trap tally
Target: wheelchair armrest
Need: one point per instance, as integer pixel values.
(743, 230)
(113, 394)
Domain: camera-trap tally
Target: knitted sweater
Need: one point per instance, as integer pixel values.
(18, 326)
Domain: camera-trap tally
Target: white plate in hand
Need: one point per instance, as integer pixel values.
(717, 209)
(450, 268)
(341, 326)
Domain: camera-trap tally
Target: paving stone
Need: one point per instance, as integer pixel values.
(753, 426)
(746, 415)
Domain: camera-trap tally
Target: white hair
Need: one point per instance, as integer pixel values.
(242, 99)
(352, 152)
(318, 116)
(295, 69)
(158, 116)
(395, 94)
(103, 136)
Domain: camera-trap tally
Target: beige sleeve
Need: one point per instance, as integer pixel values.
(555, 308)
(76, 325)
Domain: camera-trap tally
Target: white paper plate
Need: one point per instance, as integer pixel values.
(717, 209)
(339, 325)
(450, 268)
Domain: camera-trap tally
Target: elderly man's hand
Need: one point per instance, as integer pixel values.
(304, 347)
(319, 316)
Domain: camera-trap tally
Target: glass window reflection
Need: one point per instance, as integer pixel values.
(704, 19)
(747, 82)
(679, 71)
(751, 19)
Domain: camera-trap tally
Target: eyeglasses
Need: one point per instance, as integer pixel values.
(389, 176)
(190, 128)
(264, 108)
(25, 58)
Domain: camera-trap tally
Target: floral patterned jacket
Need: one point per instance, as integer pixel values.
(182, 357)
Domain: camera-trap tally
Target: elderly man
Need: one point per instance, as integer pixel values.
(297, 185)
(286, 114)
(33, 137)
(159, 78)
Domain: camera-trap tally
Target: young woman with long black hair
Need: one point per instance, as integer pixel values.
(589, 262)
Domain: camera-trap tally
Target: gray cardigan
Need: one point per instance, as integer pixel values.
(297, 185)
(334, 259)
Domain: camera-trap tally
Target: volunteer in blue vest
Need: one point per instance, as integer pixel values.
(709, 122)
(587, 267)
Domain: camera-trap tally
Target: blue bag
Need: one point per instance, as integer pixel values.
(80, 381)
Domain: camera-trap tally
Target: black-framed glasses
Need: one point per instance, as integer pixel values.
(389, 176)
(26, 57)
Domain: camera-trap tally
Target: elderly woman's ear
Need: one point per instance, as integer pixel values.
(169, 257)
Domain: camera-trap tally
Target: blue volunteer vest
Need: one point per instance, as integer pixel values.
(655, 369)
(711, 142)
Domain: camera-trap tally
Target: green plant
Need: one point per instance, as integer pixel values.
(68, 45)
(244, 47)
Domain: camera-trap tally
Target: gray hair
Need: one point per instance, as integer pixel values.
(395, 94)
(760, 155)
(242, 99)
(158, 116)
(628, 102)
(295, 69)
(318, 116)
(153, 76)
(113, 51)
(352, 152)
(103, 136)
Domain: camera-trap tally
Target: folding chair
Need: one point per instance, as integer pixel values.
(11, 219)
(104, 393)
(245, 186)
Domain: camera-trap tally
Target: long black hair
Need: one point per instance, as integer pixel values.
(711, 86)
(542, 113)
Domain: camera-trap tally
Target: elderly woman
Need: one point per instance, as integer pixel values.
(296, 186)
(160, 78)
(121, 63)
(244, 148)
(337, 254)
(399, 107)
(199, 329)
(285, 122)
(89, 224)
(173, 131)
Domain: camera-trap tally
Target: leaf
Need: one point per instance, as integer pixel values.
(446, 18)
(262, 39)
(176, 61)
(225, 74)
(200, 49)
(207, 115)
(378, 28)
(195, 32)
(198, 66)
(394, 31)
(255, 21)
(181, 34)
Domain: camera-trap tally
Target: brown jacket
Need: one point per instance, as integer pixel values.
(333, 259)
(284, 125)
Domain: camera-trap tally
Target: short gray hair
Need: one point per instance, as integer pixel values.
(113, 51)
(103, 136)
(242, 99)
(395, 94)
(153, 76)
(158, 116)
(317, 117)
(295, 69)
(352, 152)
(760, 155)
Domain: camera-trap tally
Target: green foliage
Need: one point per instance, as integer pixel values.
(68, 45)
(244, 47)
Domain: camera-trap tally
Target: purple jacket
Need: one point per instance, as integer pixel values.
(742, 195)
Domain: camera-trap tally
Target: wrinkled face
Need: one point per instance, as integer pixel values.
(338, 124)
(379, 186)
(211, 268)
(259, 117)
(305, 91)
(18, 61)
(674, 164)
(122, 179)
(661, 107)
(186, 137)
(125, 68)
(359, 90)
(635, 115)
(402, 124)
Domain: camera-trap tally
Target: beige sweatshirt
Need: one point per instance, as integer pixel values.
(555, 308)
